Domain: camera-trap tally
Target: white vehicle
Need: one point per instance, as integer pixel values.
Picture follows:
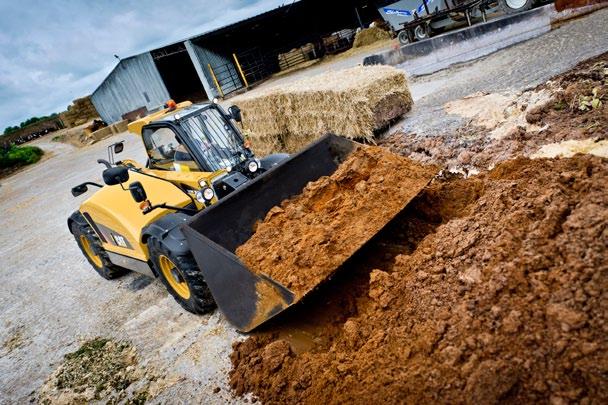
(420, 19)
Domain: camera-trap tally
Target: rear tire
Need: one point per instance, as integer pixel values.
(91, 248)
(182, 278)
(422, 32)
(515, 6)
(403, 37)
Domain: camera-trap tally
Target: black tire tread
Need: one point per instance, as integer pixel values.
(201, 301)
(109, 271)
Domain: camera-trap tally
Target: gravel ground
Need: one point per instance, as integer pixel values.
(516, 68)
(50, 298)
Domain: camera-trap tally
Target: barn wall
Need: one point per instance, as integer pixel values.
(223, 67)
(134, 83)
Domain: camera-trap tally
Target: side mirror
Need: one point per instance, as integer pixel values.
(235, 113)
(119, 147)
(79, 190)
(137, 192)
(115, 175)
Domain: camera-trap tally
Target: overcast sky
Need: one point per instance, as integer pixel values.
(54, 51)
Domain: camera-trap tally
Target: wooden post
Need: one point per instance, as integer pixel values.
(238, 65)
(217, 84)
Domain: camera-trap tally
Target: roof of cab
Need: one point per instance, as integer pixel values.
(163, 115)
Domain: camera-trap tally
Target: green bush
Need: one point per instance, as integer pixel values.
(19, 156)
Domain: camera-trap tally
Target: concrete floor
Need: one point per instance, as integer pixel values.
(50, 298)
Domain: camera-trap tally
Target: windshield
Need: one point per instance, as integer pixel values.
(221, 147)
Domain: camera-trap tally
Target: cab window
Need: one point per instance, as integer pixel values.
(161, 144)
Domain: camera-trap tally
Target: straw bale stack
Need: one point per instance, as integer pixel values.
(354, 103)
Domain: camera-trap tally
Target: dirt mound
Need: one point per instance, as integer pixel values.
(306, 238)
(369, 36)
(485, 289)
(572, 106)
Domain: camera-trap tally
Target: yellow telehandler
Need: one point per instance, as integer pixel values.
(181, 216)
(196, 156)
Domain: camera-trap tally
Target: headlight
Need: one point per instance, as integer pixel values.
(205, 195)
(202, 183)
(253, 166)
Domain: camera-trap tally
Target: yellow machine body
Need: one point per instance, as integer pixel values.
(135, 127)
(119, 220)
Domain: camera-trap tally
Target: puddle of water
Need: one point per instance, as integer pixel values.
(139, 283)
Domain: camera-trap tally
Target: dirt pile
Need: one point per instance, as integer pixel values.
(306, 238)
(99, 369)
(561, 5)
(369, 36)
(492, 288)
(572, 106)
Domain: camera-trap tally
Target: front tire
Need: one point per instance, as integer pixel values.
(91, 248)
(182, 278)
(515, 6)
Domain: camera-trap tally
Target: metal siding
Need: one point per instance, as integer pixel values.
(396, 20)
(123, 90)
(217, 62)
(205, 78)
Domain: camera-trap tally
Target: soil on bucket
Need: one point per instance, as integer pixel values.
(499, 293)
(306, 238)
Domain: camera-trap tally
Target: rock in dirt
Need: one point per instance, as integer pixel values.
(303, 241)
(527, 323)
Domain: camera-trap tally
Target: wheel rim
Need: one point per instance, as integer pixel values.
(420, 32)
(174, 277)
(88, 249)
(516, 4)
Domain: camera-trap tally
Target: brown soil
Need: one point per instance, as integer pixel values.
(561, 5)
(560, 118)
(485, 289)
(305, 239)
(488, 289)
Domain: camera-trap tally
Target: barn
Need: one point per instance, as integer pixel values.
(226, 60)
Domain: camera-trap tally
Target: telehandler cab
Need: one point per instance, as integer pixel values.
(196, 155)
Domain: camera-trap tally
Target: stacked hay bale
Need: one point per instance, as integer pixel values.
(79, 112)
(354, 103)
(370, 35)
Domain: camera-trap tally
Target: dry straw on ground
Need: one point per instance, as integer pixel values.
(353, 103)
(369, 36)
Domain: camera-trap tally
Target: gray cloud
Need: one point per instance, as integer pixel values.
(52, 52)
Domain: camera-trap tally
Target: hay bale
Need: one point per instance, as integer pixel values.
(370, 35)
(120, 126)
(354, 103)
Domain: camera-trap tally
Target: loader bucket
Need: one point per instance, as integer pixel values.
(248, 299)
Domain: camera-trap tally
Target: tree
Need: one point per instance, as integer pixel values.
(10, 130)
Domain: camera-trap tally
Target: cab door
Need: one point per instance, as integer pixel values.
(166, 150)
